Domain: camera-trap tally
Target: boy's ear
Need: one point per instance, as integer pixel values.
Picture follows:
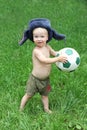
(58, 36)
(25, 37)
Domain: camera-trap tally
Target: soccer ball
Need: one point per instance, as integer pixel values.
(73, 59)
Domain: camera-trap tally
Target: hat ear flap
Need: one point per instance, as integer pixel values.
(25, 37)
(58, 36)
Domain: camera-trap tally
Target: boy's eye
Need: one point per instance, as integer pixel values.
(35, 36)
(42, 36)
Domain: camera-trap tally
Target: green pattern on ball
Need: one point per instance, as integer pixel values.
(77, 60)
(69, 52)
(66, 65)
(57, 54)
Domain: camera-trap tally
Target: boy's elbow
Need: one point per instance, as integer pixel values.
(46, 61)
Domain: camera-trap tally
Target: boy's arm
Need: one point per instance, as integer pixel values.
(52, 51)
(48, 60)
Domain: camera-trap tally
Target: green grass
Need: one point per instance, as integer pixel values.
(68, 98)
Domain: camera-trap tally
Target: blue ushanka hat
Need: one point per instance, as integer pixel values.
(43, 23)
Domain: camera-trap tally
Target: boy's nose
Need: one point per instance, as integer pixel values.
(39, 39)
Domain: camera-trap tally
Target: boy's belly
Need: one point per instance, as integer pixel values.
(42, 72)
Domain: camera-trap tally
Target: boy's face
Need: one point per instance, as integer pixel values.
(40, 36)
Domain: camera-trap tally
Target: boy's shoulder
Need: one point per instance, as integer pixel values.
(36, 50)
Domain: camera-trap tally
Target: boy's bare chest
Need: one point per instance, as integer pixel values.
(45, 52)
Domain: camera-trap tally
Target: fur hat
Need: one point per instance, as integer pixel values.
(43, 23)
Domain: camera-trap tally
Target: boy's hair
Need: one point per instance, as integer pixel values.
(43, 23)
(40, 30)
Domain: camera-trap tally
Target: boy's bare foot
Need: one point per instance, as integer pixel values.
(48, 111)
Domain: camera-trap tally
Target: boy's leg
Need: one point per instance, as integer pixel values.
(45, 102)
(24, 100)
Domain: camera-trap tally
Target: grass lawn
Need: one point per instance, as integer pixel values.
(68, 98)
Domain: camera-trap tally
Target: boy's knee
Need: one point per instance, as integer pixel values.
(27, 96)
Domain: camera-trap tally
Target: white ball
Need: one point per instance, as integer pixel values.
(73, 59)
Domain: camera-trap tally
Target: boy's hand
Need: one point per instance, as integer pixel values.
(62, 58)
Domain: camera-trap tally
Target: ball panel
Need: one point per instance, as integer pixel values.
(69, 52)
(77, 60)
(57, 54)
(67, 64)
